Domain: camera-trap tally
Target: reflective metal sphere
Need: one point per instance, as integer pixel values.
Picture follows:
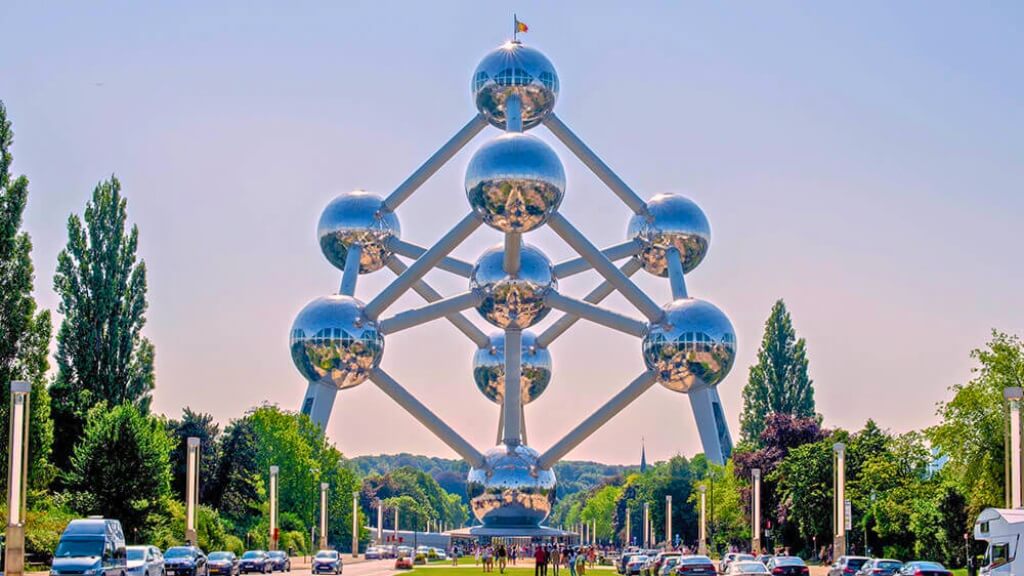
(513, 302)
(515, 182)
(331, 341)
(510, 490)
(694, 347)
(489, 368)
(513, 68)
(673, 220)
(357, 218)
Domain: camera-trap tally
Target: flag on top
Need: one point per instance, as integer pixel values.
(519, 27)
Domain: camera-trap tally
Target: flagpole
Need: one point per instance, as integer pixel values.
(515, 27)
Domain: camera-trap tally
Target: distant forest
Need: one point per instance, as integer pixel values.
(572, 476)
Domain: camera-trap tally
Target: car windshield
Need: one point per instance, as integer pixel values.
(253, 554)
(749, 568)
(178, 552)
(325, 554)
(136, 554)
(78, 548)
(695, 560)
(888, 564)
(789, 561)
(744, 557)
(220, 556)
(856, 563)
(276, 554)
(929, 566)
(635, 558)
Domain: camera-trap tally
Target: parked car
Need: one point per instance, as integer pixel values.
(373, 553)
(635, 565)
(659, 560)
(279, 561)
(440, 554)
(764, 558)
(222, 563)
(723, 565)
(668, 566)
(145, 561)
(185, 561)
(91, 546)
(788, 566)
(695, 565)
(847, 565)
(621, 566)
(403, 562)
(747, 568)
(923, 568)
(254, 561)
(880, 567)
(327, 561)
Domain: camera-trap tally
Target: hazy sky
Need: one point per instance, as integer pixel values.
(863, 161)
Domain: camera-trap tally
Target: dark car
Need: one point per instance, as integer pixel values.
(327, 561)
(254, 561)
(280, 561)
(185, 561)
(922, 568)
(880, 567)
(623, 561)
(847, 565)
(788, 566)
(222, 563)
(695, 565)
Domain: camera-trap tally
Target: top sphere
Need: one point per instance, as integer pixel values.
(513, 68)
(671, 221)
(357, 218)
(692, 348)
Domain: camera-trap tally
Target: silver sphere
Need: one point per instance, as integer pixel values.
(513, 68)
(357, 218)
(510, 490)
(333, 342)
(513, 302)
(515, 182)
(694, 347)
(489, 368)
(672, 220)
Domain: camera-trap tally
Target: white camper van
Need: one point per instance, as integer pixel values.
(1003, 529)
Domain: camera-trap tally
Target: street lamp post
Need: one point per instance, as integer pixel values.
(628, 540)
(17, 470)
(702, 542)
(839, 512)
(755, 515)
(647, 525)
(1012, 443)
(274, 470)
(191, 487)
(355, 523)
(380, 522)
(324, 487)
(668, 521)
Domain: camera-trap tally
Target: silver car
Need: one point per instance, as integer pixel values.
(145, 561)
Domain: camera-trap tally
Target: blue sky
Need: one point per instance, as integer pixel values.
(861, 160)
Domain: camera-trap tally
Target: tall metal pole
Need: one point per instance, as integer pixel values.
(668, 521)
(324, 487)
(702, 542)
(1013, 396)
(273, 506)
(191, 487)
(593, 532)
(396, 524)
(512, 399)
(647, 525)
(628, 541)
(755, 515)
(380, 522)
(355, 523)
(839, 512)
(17, 479)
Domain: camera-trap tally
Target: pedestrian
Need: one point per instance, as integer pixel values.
(570, 560)
(476, 555)
(502, 558)
(538, 561)
(581, 563)
(556, 559)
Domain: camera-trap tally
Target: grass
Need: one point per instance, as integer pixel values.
(463, 568)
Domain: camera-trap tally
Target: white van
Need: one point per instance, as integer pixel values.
(1002, 528)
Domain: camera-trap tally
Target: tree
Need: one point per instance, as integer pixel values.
(727, 523)
(200, 426)
(237, 489)
(778, 383)
(971, 431)
(24, 331)
(121, 468)
(101, 353)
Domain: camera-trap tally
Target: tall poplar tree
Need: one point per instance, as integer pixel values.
(778, 383)
(102, 356)
(24, 331)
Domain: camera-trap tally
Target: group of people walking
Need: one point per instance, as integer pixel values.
(553, 557)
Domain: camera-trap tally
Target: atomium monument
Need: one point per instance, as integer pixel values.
(515, 183)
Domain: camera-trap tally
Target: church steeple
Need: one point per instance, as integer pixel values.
(643, 456)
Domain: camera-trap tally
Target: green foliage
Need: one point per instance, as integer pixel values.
(778, 383)
(24, 330)
(420, 497)
(102, 356)
(43, 528)
(202, 426)
(727, 521)
(600, 508)
(971, 431)
(237, 488)
(121, 469)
